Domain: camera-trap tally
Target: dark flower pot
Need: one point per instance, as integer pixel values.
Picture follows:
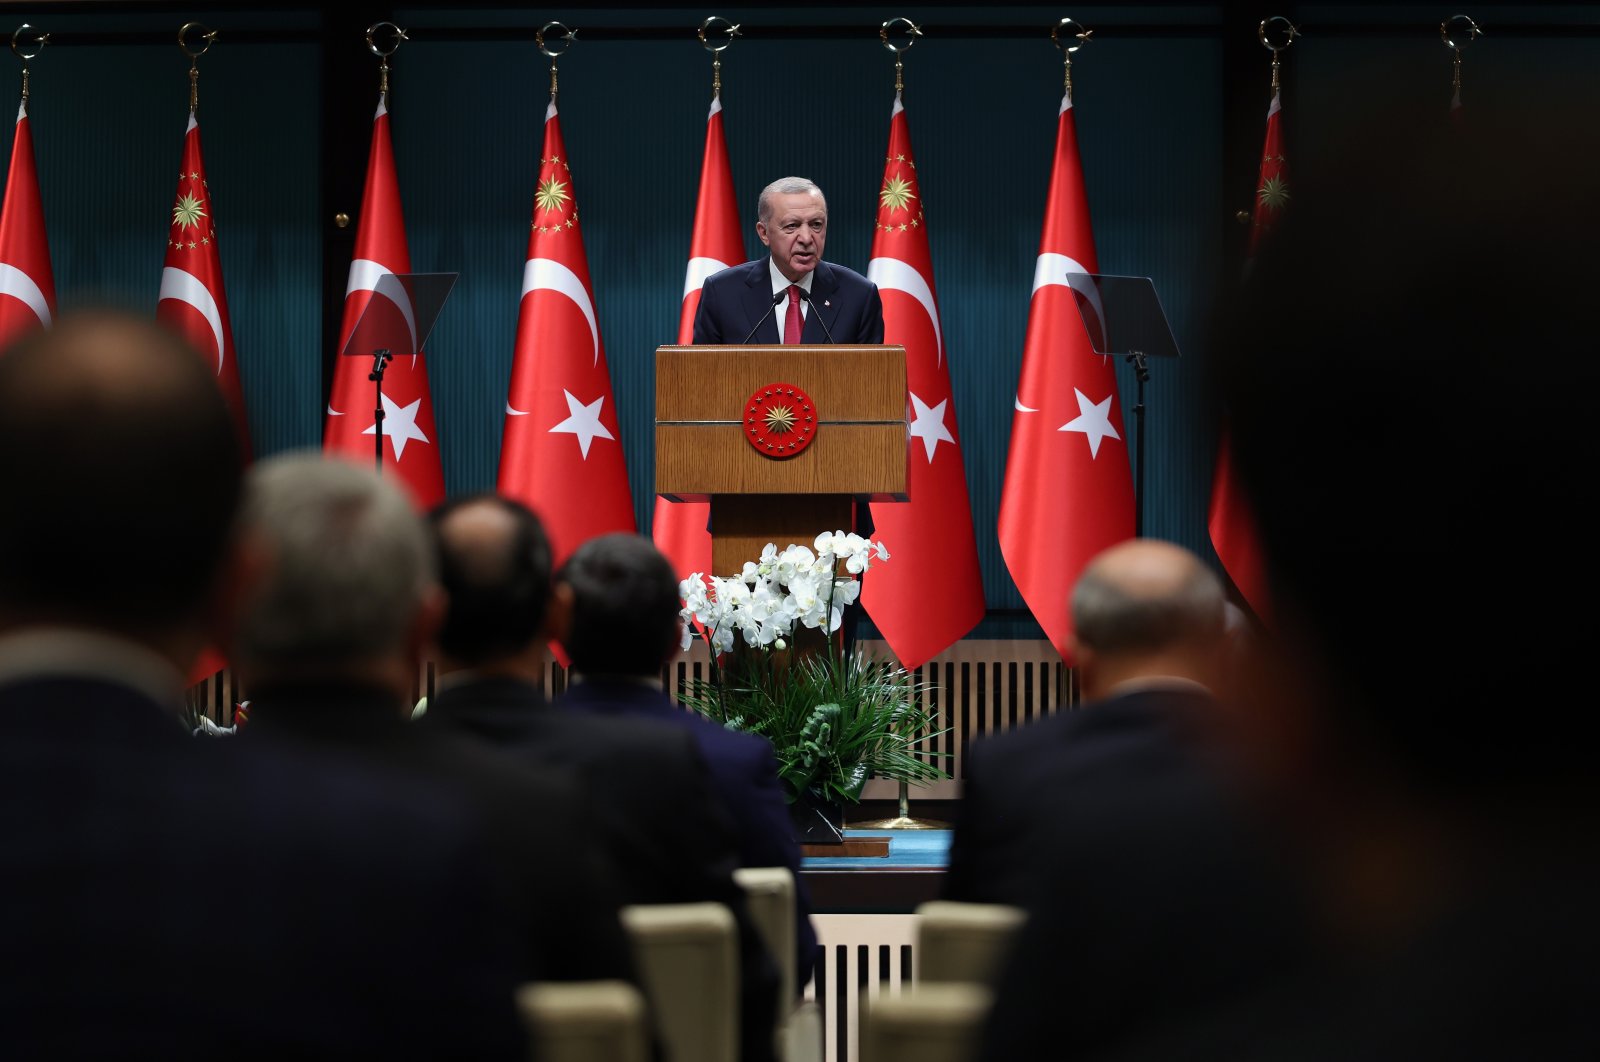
(816, 821)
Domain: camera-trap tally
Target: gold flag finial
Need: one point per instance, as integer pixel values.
(1457, 32)
(546, 40)
(899, 47)
(1280, 30)
(717, 24)
(207, 36)
(27, 43)
(1065, 28)
(395, 35)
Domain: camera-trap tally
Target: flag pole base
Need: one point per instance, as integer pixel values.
(902, 821)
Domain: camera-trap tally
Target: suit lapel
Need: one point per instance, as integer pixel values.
(757, 301)
(824, 288)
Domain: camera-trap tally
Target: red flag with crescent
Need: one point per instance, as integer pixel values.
(27, 283)
(1229, 519)
(679, 528)
(412, 452)
(931, 592)
(1068, 490)
(561, 453)
(193, 300)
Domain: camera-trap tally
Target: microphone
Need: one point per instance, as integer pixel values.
(805, 296)
(775, 300)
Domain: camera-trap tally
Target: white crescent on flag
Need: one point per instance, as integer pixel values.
(21, 286)
(891, 274)
(515, 412)
(186, 288)
(699, 269)
(548, 274)
(1051, 268)
(366, 275)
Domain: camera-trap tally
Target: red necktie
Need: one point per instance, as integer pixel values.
(791, 321)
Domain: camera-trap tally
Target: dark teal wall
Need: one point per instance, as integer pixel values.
(108, 119)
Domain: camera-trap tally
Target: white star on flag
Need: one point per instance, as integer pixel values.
(928, 425)
(399, 424)
(1094, 420)
(584, 422)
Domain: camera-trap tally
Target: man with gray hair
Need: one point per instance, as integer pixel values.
(1114, 826)
(330, 645)
(792, 295)
(162, 895)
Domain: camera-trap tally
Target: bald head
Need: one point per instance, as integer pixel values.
(494, 563)
(122, 475)
(1145, 608)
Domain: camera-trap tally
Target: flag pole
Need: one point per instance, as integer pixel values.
(207, 36)
(545, 39)
(1457, 32)
(899, 48)
(717, 24)
(27, 52)
(380, 357)
(1082, 36)
(903, 820)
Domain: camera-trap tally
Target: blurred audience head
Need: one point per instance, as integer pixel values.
(1144, 610)
(346, 587)
(494, 563)
(624, 607)
(1407, 377)
(122, 478)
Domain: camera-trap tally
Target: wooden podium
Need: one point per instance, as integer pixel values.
(859, 450)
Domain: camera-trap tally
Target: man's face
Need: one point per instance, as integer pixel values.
(795, 232)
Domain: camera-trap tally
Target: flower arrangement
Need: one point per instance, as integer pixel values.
(834, 718)
(763, 602)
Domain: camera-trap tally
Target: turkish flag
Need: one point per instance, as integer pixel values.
(194, 303)
(931, 591)
(27, 284)
(561, 453)
(412, 452)
(679, 528)
(1232, 526)
(193, 300)
(1068, 490)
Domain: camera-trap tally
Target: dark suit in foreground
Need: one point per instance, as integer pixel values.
(164, 896)
(1148, 895)
(733, 300)
(744, 779)
(651, 802)
(547, 858)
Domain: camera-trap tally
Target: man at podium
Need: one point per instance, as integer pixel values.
(792, 295)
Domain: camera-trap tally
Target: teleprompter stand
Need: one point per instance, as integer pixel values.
(395, 323)
(1124, 319)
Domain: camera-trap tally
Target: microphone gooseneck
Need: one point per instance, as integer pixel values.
(763, 319)
(805, 296)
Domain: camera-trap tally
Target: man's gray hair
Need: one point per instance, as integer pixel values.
(348, 563)
(785, 186)
(1110, 617)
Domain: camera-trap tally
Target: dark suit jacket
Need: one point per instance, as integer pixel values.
(652, 803)
(744, 778)
(167, 896)
(1149, 894)
(734, 299)
(553, 872)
